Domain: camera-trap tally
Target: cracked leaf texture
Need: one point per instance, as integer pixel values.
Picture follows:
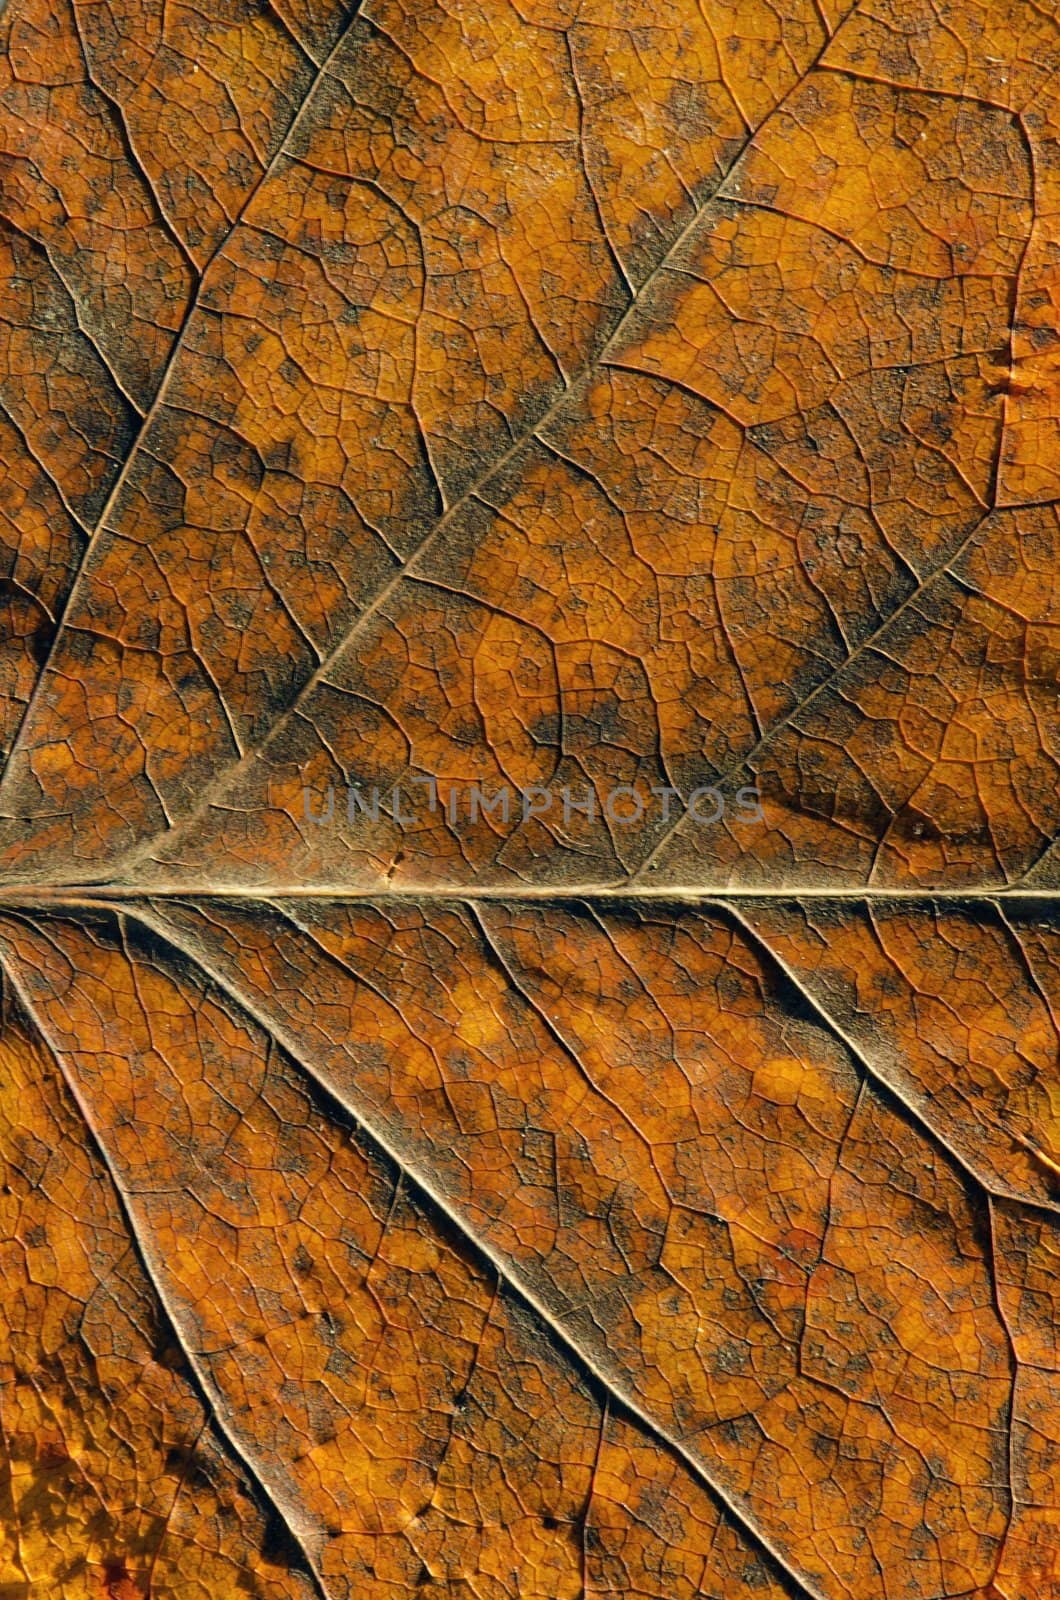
(551, 1201)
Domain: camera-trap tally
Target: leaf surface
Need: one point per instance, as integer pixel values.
(530, 974)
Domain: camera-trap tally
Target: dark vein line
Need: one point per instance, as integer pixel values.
(302, 48)
(1016, 292)
(210, 1398)
(125, 139)
(166, 1529)
(40, 248)
(492, 948)
(880, 80)
(586, 1512)
(580, 101)
(1014, 1365)
(1041, 858)
(45, 472)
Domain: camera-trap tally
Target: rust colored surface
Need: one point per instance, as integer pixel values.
(421, 1171)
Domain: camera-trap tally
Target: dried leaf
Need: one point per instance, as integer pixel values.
(529, 702)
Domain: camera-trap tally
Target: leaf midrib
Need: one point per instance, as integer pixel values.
(93, 896)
